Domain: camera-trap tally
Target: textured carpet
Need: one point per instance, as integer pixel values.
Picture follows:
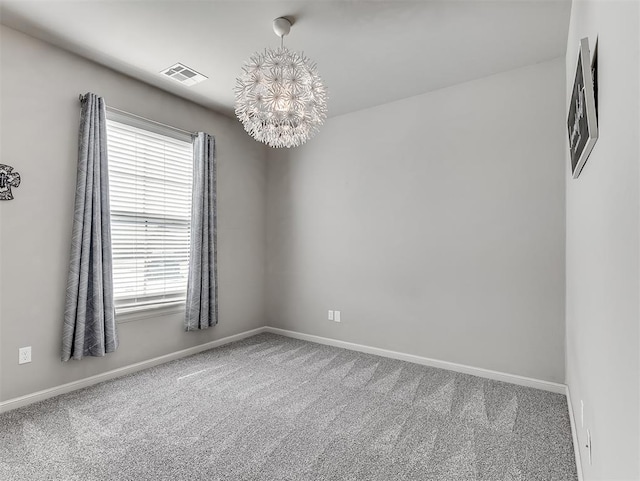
(274, 408)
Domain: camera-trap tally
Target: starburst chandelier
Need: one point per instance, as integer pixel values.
(280, 98)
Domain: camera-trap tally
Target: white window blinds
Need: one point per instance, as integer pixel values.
(150, 182)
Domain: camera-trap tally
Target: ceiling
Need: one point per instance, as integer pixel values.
(368, 52)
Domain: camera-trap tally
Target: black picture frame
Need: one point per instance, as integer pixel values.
(582, 124)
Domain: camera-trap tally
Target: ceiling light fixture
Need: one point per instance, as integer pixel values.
(280, 98)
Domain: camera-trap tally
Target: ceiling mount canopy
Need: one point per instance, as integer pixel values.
(282, 26)
(280, 98)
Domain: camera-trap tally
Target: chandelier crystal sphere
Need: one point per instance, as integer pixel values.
(280, 98)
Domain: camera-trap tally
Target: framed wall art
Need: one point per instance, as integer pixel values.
(582, 122)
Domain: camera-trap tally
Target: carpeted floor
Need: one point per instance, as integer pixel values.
(274, 408)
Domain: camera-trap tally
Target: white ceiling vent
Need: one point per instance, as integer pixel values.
(183, 74)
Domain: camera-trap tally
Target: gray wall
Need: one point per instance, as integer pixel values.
(40, 117)
(435, 224)
(603, 248)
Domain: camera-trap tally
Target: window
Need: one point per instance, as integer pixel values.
(150, 182)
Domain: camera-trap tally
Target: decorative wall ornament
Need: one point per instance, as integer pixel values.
(280, 98)
(582, 122)
(8, 179)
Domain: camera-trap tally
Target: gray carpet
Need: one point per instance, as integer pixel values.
(274, 408)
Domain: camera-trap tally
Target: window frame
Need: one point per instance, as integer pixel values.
(133, 313)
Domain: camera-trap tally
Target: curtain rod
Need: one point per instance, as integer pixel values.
(124, 112)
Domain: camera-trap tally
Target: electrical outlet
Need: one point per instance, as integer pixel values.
(582, 413)
(336, 316)
(330, 316)
(588, 446)
(24, 355)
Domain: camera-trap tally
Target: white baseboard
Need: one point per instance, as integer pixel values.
(451, 366)
(574, 435)
(105, 376)
(475, 371)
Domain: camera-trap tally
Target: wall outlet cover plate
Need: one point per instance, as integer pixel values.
(24, 355)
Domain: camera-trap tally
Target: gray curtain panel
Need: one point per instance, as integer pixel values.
(202, 286)
(89, 319)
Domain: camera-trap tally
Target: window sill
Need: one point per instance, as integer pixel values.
(136, 314)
